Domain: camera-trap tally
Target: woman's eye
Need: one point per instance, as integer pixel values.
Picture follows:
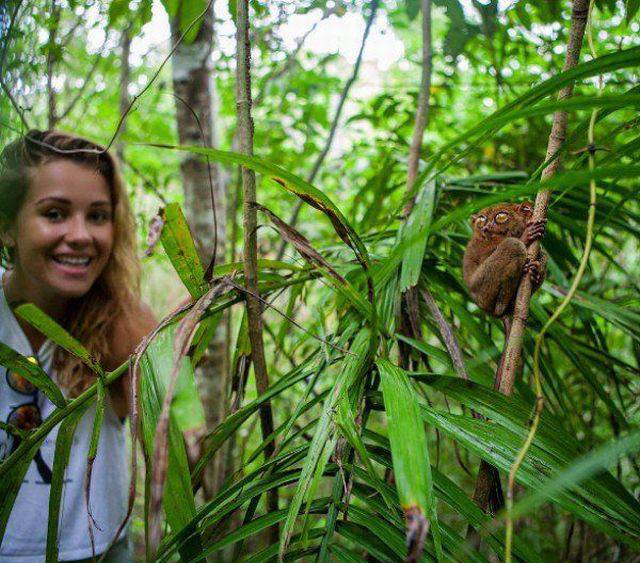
(54, 214)
(101, 216)
(502, 217)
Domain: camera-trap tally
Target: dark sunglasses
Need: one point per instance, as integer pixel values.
(26, 416)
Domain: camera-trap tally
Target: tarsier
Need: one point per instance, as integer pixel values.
(496, 257)
(494, 262)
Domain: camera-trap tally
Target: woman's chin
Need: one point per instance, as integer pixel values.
(70, 288)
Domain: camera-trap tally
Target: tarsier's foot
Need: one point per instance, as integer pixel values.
(533, 269)
(534, 231)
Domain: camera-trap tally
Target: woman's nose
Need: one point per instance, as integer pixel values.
(78, 232)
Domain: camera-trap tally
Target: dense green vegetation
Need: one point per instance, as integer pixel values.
(365, 307)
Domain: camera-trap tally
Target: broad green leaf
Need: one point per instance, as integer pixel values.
(409, 448)
(64, 441)
(416, 229)
(191, 18)
(291, 183)
(186, 407)
(52, 330)
(32, 372)
(346, 423)
(601, 502)
(178, 243)
(178, 501)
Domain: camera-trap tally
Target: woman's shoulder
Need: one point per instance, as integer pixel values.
(128, 330)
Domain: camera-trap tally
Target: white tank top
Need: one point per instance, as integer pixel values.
(25, 539)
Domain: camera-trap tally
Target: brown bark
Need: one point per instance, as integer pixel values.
(193, 86)
(512, 355)
(250, 223)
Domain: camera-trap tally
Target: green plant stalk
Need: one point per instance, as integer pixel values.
(539, 403)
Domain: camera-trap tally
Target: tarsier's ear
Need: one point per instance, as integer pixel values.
(525, 208)
(473, 219)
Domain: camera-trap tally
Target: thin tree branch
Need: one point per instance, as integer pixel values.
(447, 334)
(250, 223)
(513, 351)
(85, 83)
(422, 112)
(336, 119)
(135, 98)
(291, 58)
(125, 78)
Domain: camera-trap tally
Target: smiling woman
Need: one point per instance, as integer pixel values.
(68, 245)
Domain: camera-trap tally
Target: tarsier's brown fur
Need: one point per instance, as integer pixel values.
(496, 257)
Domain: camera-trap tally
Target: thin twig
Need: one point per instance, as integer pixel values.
(336, 119)
(291, 320)
(447, 334)
(83, 87)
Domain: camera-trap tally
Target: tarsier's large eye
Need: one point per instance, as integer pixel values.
(480, 220)
(501, 217)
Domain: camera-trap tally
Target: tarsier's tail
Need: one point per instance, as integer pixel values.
(488, 494)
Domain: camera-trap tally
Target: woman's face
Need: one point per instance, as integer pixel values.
(63, 233)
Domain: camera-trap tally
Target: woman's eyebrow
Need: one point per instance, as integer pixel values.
(53, 199)
(64, 201)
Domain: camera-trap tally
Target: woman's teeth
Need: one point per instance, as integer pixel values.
(72, 260)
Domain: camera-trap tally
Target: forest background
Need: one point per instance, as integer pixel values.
(335, 452)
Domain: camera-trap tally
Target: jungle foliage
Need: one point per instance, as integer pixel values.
(379, 431)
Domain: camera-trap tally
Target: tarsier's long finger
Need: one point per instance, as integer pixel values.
(534, 231)
(532, 269)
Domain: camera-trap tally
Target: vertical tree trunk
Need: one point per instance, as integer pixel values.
(194, 89)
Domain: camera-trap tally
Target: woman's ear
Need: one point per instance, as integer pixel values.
(7, 239)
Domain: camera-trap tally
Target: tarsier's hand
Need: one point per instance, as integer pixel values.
(534, 270)
(533, 231)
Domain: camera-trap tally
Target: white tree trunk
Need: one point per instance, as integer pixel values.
(193, 85)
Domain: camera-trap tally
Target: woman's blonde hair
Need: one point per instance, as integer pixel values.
(114, 296)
